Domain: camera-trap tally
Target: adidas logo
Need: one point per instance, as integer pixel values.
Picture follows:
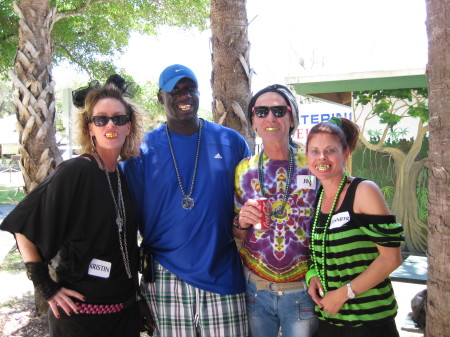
(218, 156)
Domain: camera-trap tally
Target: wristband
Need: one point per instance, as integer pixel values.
(237, 225)
(38, 273)
(310, 274)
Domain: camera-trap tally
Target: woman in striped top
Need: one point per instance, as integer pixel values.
(355, 241)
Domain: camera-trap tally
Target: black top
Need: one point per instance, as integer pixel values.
(72, 213)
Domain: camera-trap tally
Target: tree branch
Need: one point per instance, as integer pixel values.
(80, 10)
(379, 148)
(74, 60)
(418, 165)
(417, 144)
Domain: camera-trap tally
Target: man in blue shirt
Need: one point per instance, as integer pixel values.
(183, 188)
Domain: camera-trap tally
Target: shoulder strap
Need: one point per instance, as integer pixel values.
(90, 156)
(349, 198)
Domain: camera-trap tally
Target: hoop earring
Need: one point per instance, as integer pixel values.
(93, 143)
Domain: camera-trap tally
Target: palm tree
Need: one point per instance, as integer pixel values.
(231, 74)
(438, 72)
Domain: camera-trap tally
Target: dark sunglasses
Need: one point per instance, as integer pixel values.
(278, 111)
(117, 120)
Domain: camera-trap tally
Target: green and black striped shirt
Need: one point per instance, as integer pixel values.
(350, 249)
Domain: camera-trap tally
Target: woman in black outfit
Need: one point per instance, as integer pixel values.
(82, 213)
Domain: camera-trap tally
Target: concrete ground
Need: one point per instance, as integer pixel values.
(9, 179)
(404, 292)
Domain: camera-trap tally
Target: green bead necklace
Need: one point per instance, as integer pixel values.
(315, 236)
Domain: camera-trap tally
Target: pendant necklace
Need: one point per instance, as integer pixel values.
(280, 210)
(188, 201)
(120, 214)
(314, 236)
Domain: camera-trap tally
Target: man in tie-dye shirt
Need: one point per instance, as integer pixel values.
(276, 259)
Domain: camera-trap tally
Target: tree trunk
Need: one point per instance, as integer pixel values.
(34, 92)
(438, 73)
(231, 72)
(404, 204)
(34, 98)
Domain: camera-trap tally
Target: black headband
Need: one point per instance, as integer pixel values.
(128, 89)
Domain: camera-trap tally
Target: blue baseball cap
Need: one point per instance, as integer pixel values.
(173, 74)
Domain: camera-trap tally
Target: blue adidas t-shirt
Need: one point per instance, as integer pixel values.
(197, 245)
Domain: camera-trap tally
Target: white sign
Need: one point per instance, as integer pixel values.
(315, 113)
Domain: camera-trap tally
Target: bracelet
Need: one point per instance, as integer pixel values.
(237, 225)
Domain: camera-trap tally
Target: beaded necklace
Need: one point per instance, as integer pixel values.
(279, 211)
(188, 201)
(315, 236)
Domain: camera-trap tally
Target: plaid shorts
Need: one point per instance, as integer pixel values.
(185, 311)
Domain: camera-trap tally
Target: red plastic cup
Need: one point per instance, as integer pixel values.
(262, 206)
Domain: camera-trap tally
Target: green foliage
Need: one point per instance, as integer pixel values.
(423, 153)
(394, 140)
(374, 136)
(421, 111)
(382, 95)
(13, 262)
(10, 195)
(6, 99)
(388, 192)
(383, 110)
(389, 119)
(405, 145)
(92, 38)
(147, 100)
(382, 107)
(383, 103)
(396, 133)
(9, 36)
(422, 194)
(377, 167)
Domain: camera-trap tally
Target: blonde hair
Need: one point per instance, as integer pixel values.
(130, 148)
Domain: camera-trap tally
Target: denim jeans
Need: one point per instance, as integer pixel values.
(268, 311)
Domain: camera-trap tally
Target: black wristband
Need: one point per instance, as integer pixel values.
(38, 273)
(237, 225)
(241, 228)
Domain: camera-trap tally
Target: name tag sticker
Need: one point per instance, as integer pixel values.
(306, 182)
(99, 268)
(339, 220)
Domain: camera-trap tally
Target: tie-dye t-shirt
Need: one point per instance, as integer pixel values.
(280, 253)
